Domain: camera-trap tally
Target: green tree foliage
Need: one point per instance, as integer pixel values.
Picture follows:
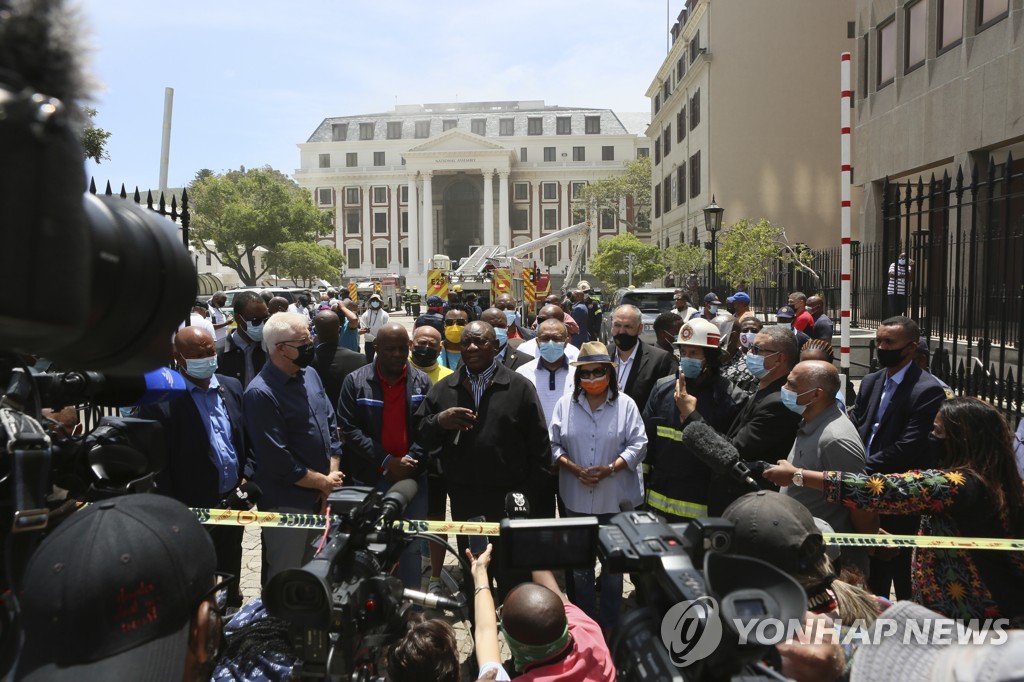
(682, 259)
(609, 263)
(306, 261)
(241, 211)
(607, 195)
(94, 140)
(752, 251)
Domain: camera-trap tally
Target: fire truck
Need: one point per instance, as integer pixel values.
(487, 272)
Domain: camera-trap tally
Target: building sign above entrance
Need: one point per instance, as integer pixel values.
(455, 161)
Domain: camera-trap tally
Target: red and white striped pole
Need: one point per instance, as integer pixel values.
(845, 177)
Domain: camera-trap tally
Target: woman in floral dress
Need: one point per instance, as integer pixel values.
(976, 492)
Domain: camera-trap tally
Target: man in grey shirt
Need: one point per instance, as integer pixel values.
(826, 440)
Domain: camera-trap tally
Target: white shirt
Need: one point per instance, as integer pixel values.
(374, 320)
(551, 386)
(300, 309)
(598, 438)
(217, 316)
(530, 348)
(197, 320)
(622, 371)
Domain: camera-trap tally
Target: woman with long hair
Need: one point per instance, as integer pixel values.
(974, 492)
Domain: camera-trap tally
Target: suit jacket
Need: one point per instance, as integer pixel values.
(650, 364)
(231, 361)
(189, 474)
(333, 363)
(513, 358)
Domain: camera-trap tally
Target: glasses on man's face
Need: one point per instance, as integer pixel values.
(541, 319)
(592, 373)
(258, 320)
(761, 350)
(458, 321)
(221, 581)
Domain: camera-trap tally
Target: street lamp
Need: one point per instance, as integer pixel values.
(630, 264)
(713, 222)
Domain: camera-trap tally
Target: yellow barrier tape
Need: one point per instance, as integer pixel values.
(923, 541)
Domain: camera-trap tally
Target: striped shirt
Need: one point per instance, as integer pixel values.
(480, 382)
(897, 279)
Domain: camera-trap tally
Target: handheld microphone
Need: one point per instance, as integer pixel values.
(517, 506)
(433, 601)
(714, 450)
(397, 499)
(243, 497)
(72, 388)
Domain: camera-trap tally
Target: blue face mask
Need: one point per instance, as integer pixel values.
(551, 351)
(755, 365)
(254, 331)
(691, 367)
(201, 368)
(501, 334)
(789, 399)
(713, 309)
(903, 261)
(510, 316)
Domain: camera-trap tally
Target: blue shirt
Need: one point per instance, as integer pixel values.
(581, 315)
(214, 414)
(349, 336)
(292, 427)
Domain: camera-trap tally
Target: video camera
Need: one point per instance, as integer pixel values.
(343, 606)
(686, 625)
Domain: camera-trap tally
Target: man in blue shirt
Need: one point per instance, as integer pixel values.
(294, 435)
(582, 316)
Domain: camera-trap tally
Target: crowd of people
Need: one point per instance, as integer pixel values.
(476, 404)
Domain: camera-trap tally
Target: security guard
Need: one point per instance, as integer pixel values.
(414, 301)
(678, 481)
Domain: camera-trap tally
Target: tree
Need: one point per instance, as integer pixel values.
(682, 259)
(241, 211)
(94, 140)
(306, 261)
(609, 263)
(609, 193)
(748, 252)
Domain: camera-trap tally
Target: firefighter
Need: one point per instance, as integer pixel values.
(455, 294)
(414, 301)
(407, 300)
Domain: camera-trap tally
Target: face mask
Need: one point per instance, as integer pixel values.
(501, 334)
(903, 261)
(789, 399)
(890, 357)
(625, 341)
(453, 334)
(374, 305)
(595, 386)
(510, 317)
(254, 331)
(755, 365)
(201, 368)
(713, 309)
(424, 356)
(526, 654)
(747, 338)
(305, 356)
(691, 367)
(552, 351)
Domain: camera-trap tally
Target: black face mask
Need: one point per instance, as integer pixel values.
(305, 356)
(890, 357)
(424, 356)
(625, 341)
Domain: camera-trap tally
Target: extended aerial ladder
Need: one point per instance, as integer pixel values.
(578, 233)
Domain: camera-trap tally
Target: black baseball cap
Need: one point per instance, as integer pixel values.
(776, 528)
(434, 301)
(111, 593)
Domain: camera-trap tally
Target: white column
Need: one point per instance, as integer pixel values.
(488, 208)
(565, 220)
(415, 264)
(428, 220)
(366, 257)
(504, 229)
(396, 227)
(538, 217)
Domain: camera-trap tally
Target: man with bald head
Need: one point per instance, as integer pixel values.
(277, 304)
(488, 425)
(426, 347)
(552, 312)
(333, 362)
(206, 444)
(507, 355)
(507, 305)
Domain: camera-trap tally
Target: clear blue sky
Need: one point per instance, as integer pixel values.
(253, 78)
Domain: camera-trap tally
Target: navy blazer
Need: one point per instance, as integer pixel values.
(189, 475)
(901, 443)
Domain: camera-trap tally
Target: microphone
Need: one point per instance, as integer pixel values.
(242, 498)
(397, 499)
(433, 601)
(72, 388)
(714, 450)
(517, 506)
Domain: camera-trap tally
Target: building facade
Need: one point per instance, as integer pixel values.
(444, 178)
(745, 109)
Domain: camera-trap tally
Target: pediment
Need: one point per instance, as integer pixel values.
(455, 140)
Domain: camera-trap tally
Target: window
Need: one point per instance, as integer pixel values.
(378, 158)
(608, 220)
(403, 194)
(339, 132)
(521, 191)
(579, 154)
(695, 175)
(209, 258)
(380, 257)
(422, 129)
(694, 47)
(886, 55)
(380, 223)
(352, 221)
(325, 160)
(394, 130)
(657, 150)
(695, 110)
(608, 153)
(563, 125)
(380, 195)
(680, 68)
(681, 185)
(522, 155)
(352, 196)
(579, 215)
(449, 123)
(478, 126)
(643, 153)
(914, 40)
(351, 159)
(666, 89)
(657, 200)
(550, 256)
(643, 221)
(666, 193)
(550, 218)
(405, 223)
(592, 125)
(666, 139)
(951, 23)
(681, 124)
(657, 102)
(405, 257)
(519, 220)
(325, 196)
(549, 191)
(991, 11)
(575, 189)
(506, 126)
(534, 126)
(352, 258)
(549, 154)
(365, 131)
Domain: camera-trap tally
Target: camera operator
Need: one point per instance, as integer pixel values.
(124, 589)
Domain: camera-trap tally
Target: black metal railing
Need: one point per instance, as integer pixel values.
(182, 216)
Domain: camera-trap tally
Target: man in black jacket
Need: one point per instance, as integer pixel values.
(332, 362)
(490, 429)
(507, 355)
(243, 356)
(640, 364)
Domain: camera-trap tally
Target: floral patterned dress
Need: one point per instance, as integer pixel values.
(952, 503)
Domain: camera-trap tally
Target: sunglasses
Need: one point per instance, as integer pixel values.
(460, 322)
(257, 321)
(759, 350)
(591, 373)
(221, 582)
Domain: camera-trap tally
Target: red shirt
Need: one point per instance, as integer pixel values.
(588, 661)
(394, 437)
(803, 321)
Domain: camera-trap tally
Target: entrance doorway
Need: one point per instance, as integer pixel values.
(461, 219)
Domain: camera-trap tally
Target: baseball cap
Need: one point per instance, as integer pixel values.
(775, 528)
(376, 297)
(740, 296)
(435, 302)
(111, 593)
(786, 311)
(712, 297)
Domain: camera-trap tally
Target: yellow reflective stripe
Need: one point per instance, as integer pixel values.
(675, 507)
(670, 433)
(645, 468)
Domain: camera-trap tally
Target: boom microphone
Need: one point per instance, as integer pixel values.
(717, 453)
(243, 498)
(397, 499)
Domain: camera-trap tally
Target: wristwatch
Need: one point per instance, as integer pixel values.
(611, 469)
(798, 478)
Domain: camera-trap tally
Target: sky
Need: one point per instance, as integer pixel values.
(252, 79)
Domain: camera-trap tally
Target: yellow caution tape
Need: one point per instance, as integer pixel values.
(923, 541)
